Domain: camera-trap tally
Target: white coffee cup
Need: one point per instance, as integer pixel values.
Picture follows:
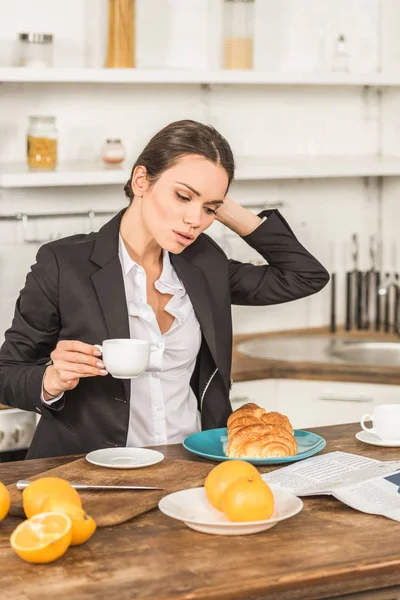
(125, 358)
(386, 422)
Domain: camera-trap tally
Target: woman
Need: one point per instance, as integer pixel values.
(149, 273)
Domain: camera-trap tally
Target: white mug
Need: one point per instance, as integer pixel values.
(386, 422)
(125, 358)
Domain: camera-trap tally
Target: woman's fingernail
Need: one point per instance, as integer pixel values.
(103, 372)
(97, 353)
(100, 365)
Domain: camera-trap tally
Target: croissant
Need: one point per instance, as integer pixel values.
(275, 418)
(255, 433)
(249, 409)
(243, 421)
(258, 441)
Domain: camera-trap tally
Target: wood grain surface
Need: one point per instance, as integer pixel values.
(115, 507)
(327, 551)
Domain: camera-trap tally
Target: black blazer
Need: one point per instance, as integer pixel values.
(76, 291)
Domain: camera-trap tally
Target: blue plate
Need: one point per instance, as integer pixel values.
(210, 444)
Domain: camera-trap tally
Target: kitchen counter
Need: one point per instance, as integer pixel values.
(328, 550)
(316, 364)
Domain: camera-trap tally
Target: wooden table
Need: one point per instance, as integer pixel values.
(326, 551)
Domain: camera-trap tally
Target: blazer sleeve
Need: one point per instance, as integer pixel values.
(292, 272)
(32, 336)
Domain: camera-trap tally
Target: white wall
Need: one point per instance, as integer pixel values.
(291, 35)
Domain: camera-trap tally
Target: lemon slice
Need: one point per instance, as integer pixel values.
(42, 538)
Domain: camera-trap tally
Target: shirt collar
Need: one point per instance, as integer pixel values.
(169, 276)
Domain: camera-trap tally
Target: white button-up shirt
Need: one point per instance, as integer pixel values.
(163, 407)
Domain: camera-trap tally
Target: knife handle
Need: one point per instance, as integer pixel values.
(22, 484)
(377, 301)
(348, 301)
(386, 324)
(333, 303)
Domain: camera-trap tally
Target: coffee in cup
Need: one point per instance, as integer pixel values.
(386, 422)
(125, 358)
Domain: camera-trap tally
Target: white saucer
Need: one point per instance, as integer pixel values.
(124, 458)
(372, 438)
(192, 507)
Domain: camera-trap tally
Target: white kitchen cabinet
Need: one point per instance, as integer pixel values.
(262, 391)
(315, 403)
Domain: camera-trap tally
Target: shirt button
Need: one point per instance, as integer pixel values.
(155, 374)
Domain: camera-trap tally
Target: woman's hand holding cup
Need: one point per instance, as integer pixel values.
(72, 360)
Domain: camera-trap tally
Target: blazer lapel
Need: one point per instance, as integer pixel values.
(109, 284)
(196, 286)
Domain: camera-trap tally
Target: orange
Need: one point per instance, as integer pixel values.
(221, 476)
(83, 526)
(4, 501)
(36, 493)
(248, 499)
(43, 538)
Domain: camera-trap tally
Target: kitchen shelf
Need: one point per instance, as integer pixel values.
(189, 76)
(17, 175)
(316, 167)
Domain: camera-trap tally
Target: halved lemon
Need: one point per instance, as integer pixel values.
(4, 501)
(42, 538)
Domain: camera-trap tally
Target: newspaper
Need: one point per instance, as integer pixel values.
(365, 484)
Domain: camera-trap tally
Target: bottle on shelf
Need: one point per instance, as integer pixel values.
(121, 33)
(42, 142)
(113, 152)
(238, 34)
(35, 50)
(340, 58)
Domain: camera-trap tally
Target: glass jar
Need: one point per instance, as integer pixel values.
(35, 50)
(113, 152)
(42, 143)
(121, 34)
(340, 59)
(238, 34)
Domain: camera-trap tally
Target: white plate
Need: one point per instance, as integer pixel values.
(124, 458)
(372, 438)
(192, 507)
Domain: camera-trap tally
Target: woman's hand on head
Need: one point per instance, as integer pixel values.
(236, 217)
(72, 360)
(225, 208)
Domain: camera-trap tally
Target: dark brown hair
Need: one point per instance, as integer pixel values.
(177, 140)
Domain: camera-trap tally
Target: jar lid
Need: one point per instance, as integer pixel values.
(42, 118)
(36, 38)
(113, 141)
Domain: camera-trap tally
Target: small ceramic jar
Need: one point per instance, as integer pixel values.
(113, 152)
